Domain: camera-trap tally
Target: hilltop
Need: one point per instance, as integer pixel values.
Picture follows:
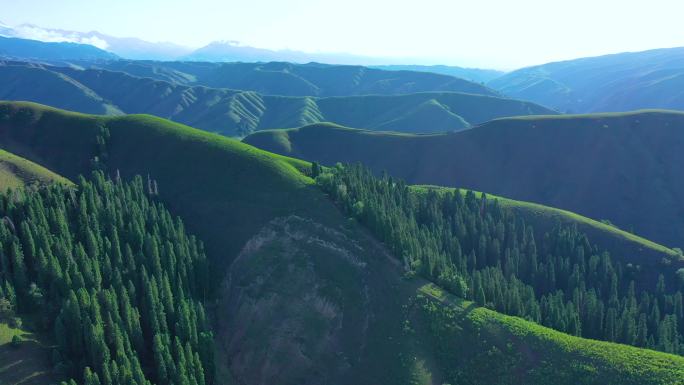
(238, 113)
(593, 165)
(296, 267)
(618, 82)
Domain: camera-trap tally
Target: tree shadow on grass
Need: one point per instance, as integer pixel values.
(26, 364)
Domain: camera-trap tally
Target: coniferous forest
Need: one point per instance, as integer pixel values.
(113, 277)
(478, 250)
(211, 194)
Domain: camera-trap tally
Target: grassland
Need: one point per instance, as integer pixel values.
(483, 346)
(18, 172)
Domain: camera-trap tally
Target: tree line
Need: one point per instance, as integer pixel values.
(481, 251)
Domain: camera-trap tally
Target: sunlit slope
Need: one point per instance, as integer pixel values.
(474, 345)
(18, 172)
(224, 189)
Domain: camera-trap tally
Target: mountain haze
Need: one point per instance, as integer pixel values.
(14, 48)
(619, 82)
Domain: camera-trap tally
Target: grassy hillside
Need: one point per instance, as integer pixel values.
(238, 113)
(477, 345)
(594, 165)
(18, 172)
(309, 296)
(313, 79)
(620, 82)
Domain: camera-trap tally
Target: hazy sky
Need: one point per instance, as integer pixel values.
(488, 33)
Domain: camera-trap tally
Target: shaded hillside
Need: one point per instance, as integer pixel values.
(309, 296)
(16, 48)
(238, 113)
(620, 82)
(619, 167)
(39, 84)
(289, 79)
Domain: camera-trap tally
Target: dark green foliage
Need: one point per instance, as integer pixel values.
(478, 250)
(114, 275)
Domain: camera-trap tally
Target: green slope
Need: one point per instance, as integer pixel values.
(476, 345)
(238, 113)
(197, 170)
(308, 295)
(18, 172)
(620, 167)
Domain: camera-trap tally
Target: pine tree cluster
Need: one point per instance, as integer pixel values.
(114, 276)
(478, 250)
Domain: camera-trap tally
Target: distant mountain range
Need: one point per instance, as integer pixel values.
(238, 113)
(288, 79)
(473, 74)
(218, 51)
(127, 47)
(14, 48)
(620, 82)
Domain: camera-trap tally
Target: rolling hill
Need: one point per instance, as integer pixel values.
(619, 167)
(15, 48)
(289, 79)
(619, 82)
(238, 113)
(301, 277)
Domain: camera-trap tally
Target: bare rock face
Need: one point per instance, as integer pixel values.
(295, 306)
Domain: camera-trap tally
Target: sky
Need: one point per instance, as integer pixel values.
(501, 34)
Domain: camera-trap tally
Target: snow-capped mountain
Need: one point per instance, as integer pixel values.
(130, 48)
